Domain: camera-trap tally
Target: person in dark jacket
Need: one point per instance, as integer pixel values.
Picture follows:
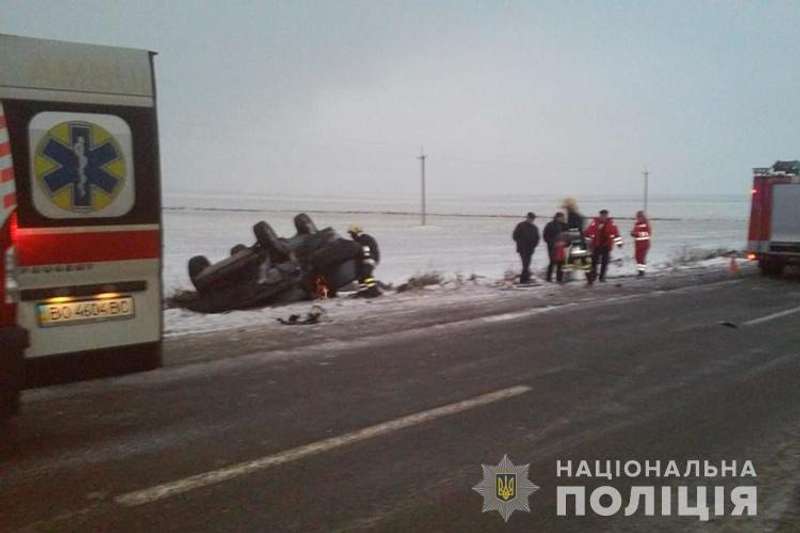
(578, 255)
(369, 259)
(526, 235)
(575, 220)
(555, 249)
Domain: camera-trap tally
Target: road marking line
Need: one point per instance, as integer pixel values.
(772, 316)
(197, 481)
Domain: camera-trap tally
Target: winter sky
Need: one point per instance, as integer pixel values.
(520, 97)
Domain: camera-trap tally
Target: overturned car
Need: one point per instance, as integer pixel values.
(275, 270)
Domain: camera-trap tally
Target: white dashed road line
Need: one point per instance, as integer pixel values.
(773, 316)
(212, 477)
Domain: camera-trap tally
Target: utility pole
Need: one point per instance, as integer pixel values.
(646, 175)
(422, 157)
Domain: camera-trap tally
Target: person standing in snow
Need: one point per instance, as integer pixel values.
(526, 235)
(552, 235)
(602, 234)
(574, 217)
(577, 256)
(369, 259)
(641, 234)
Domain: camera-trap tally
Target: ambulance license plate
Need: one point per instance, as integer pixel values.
(82, 311)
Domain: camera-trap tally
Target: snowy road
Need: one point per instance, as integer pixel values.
(381, 421)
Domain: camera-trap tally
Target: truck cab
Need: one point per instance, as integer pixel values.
(774, 231)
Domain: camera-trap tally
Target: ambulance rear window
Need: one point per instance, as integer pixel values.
(84, 164)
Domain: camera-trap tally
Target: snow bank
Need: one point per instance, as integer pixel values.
(451, 245)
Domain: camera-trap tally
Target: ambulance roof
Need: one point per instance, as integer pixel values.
(43, 69)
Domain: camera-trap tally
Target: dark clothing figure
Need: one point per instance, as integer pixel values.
(552, 235)
(600, 256)
(369, 245)
(553, 229)
(366, 262)
(525, 274)
(575, 223)
(575, 220)
(526, 235)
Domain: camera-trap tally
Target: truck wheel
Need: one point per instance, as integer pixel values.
(9, 402)
(197, 264)
(771, 268)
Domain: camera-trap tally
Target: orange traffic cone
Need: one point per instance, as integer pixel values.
(733, 267)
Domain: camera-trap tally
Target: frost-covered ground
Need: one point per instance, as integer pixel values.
(466, 245)
(451, 244)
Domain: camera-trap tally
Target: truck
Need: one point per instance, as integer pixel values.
(80, 218)
(774, 230)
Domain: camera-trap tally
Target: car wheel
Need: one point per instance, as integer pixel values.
(238, 248)
(197, 264)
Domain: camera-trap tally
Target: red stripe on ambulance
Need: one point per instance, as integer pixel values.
(89, 247)
(9, 200)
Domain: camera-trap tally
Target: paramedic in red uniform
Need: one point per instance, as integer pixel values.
(601, 234)
(641, 234)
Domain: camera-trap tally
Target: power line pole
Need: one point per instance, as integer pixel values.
(646, 175)
(422, 157)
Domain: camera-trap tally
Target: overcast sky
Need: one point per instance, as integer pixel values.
(506, 97)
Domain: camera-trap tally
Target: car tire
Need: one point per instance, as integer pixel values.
(304, 225)
(197, 264)
(269, 241)
(238, 248)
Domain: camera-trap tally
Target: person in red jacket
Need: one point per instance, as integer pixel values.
(601, 234)
(641, 234)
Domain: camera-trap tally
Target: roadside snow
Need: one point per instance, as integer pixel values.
(465, 246)
(453, 246)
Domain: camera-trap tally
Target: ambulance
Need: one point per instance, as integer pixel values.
(80, 218)
(774, 232)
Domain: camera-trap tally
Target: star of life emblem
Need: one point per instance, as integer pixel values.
(81, 165)
(505, 488)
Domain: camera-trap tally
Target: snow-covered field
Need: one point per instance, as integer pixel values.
(478, 245)
(466, 245)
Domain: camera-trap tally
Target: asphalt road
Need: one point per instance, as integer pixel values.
(389, 434)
